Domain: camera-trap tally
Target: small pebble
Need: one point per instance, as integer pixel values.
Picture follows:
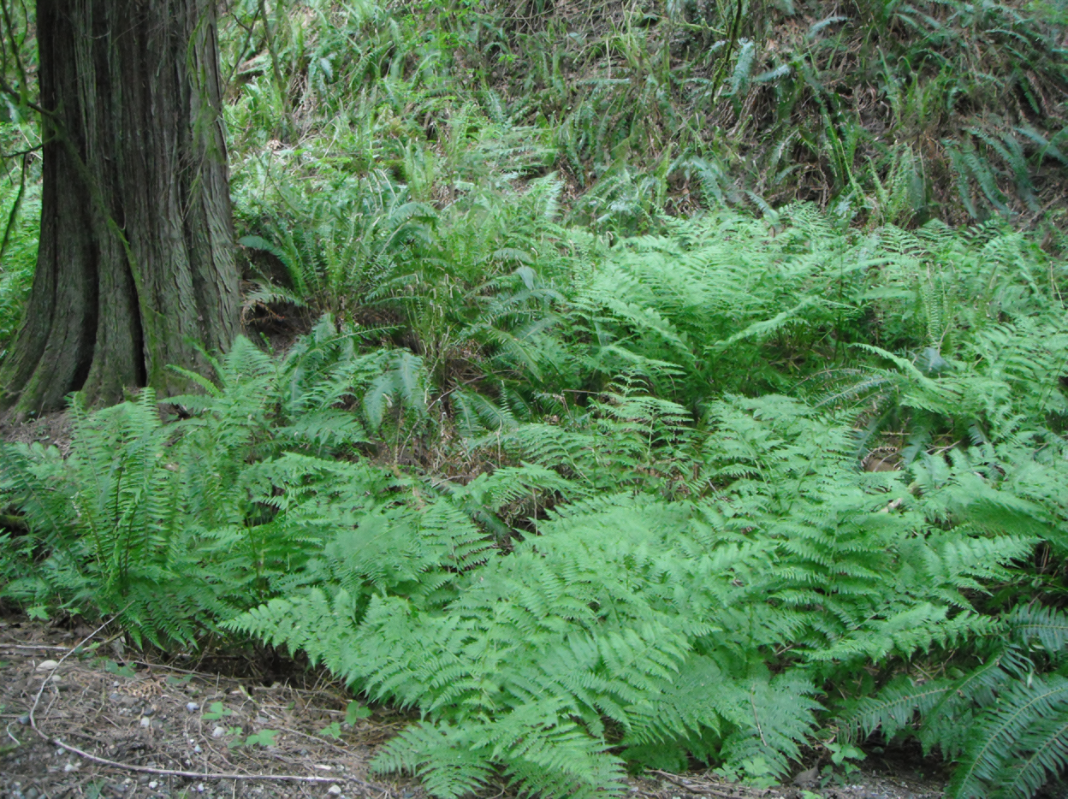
(192, 707)
(148, 711)
(218, 732)
(334, 790)
(47, 665)
(24, 719)
(145, 721)
(153, 784)
(31, 793)
(197, 749)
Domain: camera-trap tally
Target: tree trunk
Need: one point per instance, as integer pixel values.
(136, 259)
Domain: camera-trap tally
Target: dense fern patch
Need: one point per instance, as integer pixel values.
(655, 628)
(613, 546)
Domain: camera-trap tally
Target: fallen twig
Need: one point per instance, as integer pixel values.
(689, 786)
(40, 646)
(196, 775)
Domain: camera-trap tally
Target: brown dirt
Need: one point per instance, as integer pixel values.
(48, 429)
(101, 721)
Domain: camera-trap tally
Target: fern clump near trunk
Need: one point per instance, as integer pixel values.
(173, 528)
(110, 519)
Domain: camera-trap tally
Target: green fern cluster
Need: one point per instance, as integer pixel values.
(721, 301)
(471, 284)
(1005, 721)
(542, 660)
(350, 237)
(110, 519)
(648, 567)
(928, 331)
(780, 555)
(173, 528)
(725, 303)
(637, 627)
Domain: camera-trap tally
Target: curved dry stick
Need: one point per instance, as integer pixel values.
(166, 772)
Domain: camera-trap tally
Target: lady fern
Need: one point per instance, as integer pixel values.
(588, 623)
(647, 619)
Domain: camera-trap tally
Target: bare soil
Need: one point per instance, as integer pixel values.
(49, 429)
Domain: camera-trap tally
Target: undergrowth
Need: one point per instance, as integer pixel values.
(19, 211)
(879, 112)
(728, 493)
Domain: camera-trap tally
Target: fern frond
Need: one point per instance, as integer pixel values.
(446, 758)
(994, 748)
(1047, 625)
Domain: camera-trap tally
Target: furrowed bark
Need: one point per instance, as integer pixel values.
(136, 262)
